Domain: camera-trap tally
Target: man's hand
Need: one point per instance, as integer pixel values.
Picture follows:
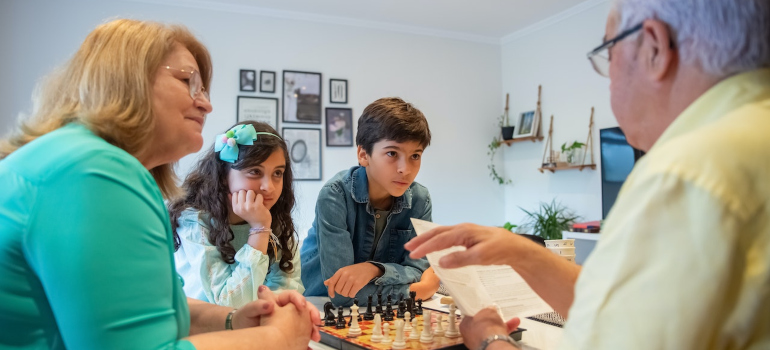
(350, 279)
(485, 245)
(485, 323)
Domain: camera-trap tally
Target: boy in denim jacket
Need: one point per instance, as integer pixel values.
(356, 245)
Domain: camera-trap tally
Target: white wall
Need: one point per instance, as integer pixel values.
(455, 83)
(554, 56)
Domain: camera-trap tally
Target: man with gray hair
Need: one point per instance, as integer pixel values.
(684, 258)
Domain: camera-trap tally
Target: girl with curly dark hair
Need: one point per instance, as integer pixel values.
(233, 229)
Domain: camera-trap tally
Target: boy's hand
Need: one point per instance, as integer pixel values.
(250, 206)
(350, 279)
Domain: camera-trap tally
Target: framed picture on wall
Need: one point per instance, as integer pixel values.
(305, 152)
(248, 80)
(301, 97)
(526, 126)
(260, 109)
(266, 81)
(338, 91)
(339, 127)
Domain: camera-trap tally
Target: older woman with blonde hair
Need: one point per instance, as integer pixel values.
(86, 247)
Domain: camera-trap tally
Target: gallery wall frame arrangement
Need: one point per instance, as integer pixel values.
(301, 97)
(267, 81)
(248, 79)
(304, 147)
(261, 109)
(339, 127)
(338, 91)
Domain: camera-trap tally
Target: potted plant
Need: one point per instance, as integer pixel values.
(505, 129)
(549, 220)
(493, 146)
(572, 152)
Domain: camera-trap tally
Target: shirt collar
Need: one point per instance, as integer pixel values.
(717, 102)
(359, 188)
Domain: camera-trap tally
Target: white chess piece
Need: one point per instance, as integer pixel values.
(399, 343)
(354, 329)
(386, 333)
(426, 336)
(407, 322)
(439, 325)
(415, 333)
(377, 331)
(452, 331)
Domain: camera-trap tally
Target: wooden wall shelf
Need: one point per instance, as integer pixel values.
(567, 167)
(522, 139)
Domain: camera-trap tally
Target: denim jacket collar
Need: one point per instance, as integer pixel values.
(359, 189)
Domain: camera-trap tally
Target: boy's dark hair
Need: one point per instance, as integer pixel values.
(391, 118)
(206, 190)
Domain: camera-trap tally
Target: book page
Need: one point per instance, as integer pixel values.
(475, 287)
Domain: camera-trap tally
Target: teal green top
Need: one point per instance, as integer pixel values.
(86, 250)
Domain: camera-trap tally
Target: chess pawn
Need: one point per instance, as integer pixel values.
(426, 336)
(399, 343)
(419, 307)
(377, 331)
(389, 311)
(439, 325)
(415, 334)
(341, 323)
(407, 318)
(354, 330)
(386, 333)
(452, 331)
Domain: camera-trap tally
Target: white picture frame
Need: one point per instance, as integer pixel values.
(526, 125)
(304, 147)
(260, 109)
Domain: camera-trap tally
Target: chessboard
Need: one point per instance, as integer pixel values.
(338, 335)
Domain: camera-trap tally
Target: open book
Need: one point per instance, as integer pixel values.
(476, 287)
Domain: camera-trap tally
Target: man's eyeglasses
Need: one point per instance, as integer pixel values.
(195, 82)
(600, 58)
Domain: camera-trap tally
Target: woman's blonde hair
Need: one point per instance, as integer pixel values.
(107, 86)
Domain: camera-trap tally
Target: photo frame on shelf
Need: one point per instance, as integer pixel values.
(304, 147)
(301, 97)
(267, 81)
(261, 109)
(526, 125)
(248, 80)
(339, 127)
(338, 91)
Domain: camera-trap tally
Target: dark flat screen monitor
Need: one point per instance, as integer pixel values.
(618, 159)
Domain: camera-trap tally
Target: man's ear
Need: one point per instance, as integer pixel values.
(363, 158)
(657, 54)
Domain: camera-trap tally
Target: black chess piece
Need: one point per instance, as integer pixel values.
(378, 309)
(410, 307)
(329, 318)
(419, 307)
(413, 295)
(401, 309)
(390, 299)
(341, 323)
(389, 312)
(369, 315)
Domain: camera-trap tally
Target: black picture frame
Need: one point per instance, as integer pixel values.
(267, 81)
(261, 109)
(248, 80)
(339, 127)
(338, 91)
(304, 147)
(301, 97)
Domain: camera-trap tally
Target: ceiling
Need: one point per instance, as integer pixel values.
(476, 20)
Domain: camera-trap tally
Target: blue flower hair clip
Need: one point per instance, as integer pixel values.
(227, 144)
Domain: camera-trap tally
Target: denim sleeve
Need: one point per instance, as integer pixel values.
(408, 270)
(335, 247)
